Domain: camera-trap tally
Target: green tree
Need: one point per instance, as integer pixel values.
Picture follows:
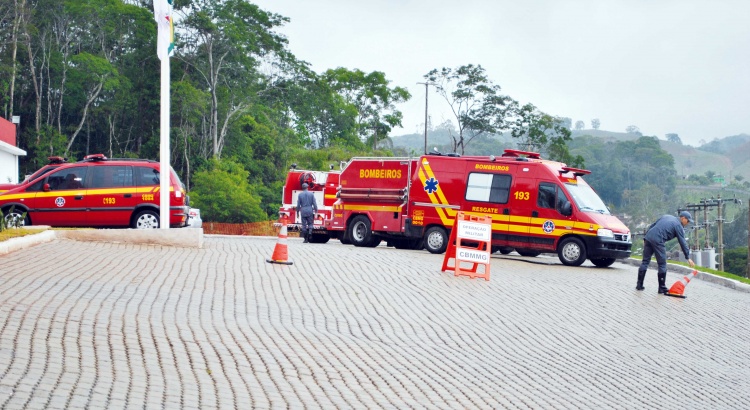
(374, 101)
(632, 129)
(595, 123)
(538, 131)
(580, 124)
(735, 261)
(475, 101)
(224, 44)
(222, 192)
(672, 137)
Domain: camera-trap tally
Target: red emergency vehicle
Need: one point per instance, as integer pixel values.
(54, 162)
(96, 192)
(323, 185)
(537, 206)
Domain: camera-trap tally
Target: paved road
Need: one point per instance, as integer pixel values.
(102, 325)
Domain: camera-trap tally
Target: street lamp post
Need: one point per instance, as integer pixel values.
(426, 85)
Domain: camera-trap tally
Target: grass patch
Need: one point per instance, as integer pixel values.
(11, 233)
(709, 270)
(716, 272)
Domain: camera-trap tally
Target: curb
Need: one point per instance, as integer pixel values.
(705, 276)
(15, 244)
(187, 238)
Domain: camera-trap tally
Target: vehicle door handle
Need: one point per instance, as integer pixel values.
(506, 211)
(79, 197)
(534, 214)
(128, 195)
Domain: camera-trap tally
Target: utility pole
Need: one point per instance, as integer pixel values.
(720, 235)
(426, 93)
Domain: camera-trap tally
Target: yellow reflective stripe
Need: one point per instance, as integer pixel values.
(441, 196)
(381, 208)
(442, 212)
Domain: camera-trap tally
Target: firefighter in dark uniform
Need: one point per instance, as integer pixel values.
(664, 229)
(306, 208)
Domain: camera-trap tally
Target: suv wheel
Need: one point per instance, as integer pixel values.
(16, 218)
(147, 219)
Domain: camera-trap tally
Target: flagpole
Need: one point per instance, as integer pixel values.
(164, 175)
(164, 48)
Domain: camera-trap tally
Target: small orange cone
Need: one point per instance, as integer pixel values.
(678, 288)
(280, 253)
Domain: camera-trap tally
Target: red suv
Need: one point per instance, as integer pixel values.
(97, 192)
(54, 162)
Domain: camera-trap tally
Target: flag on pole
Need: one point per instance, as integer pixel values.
(165, 24)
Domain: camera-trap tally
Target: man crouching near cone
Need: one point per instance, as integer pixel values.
(664, 229)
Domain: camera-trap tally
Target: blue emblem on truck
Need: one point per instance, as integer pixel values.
(430, 185)
(548, 226)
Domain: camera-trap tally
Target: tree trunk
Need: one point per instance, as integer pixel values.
(14, 40)
(92, 96)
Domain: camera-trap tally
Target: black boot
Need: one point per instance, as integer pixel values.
(641, 276)
(662, 285)
(306, 236)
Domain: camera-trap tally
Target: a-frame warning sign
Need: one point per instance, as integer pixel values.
(470, 246)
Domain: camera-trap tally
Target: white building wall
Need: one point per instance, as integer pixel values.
(8, 168)
(9, 163)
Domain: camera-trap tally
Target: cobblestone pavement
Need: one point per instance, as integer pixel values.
(104, 325)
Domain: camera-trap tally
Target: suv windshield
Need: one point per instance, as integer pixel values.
(586, 199)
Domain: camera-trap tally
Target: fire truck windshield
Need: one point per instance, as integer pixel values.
(586, 199)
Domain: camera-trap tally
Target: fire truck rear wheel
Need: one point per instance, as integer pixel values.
(571, 251)
(436, 239)
(359, 231)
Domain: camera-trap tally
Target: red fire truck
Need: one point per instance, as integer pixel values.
(323, 185)
(537, 206)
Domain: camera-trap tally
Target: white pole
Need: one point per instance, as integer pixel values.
(164, 166)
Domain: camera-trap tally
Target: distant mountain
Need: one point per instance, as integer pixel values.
(606, 135)
(441, 138)
(727, 144)
(727, 156)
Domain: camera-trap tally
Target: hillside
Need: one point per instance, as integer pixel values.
(727, 157)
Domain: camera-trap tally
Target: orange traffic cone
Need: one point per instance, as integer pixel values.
(280, 253)
(678, 288)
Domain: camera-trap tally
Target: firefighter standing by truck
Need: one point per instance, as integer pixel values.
(306, 208)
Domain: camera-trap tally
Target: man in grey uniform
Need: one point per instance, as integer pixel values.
(664, 229)
(306, 208)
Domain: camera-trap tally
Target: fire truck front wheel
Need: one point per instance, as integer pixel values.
(571, 251)
(436, 239)
(359, 231)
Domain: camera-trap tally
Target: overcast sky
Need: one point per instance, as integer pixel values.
(665, 66)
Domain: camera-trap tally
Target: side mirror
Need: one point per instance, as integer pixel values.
(566, 209)
(45, 188)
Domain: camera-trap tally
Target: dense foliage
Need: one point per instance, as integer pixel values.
(83, 75)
